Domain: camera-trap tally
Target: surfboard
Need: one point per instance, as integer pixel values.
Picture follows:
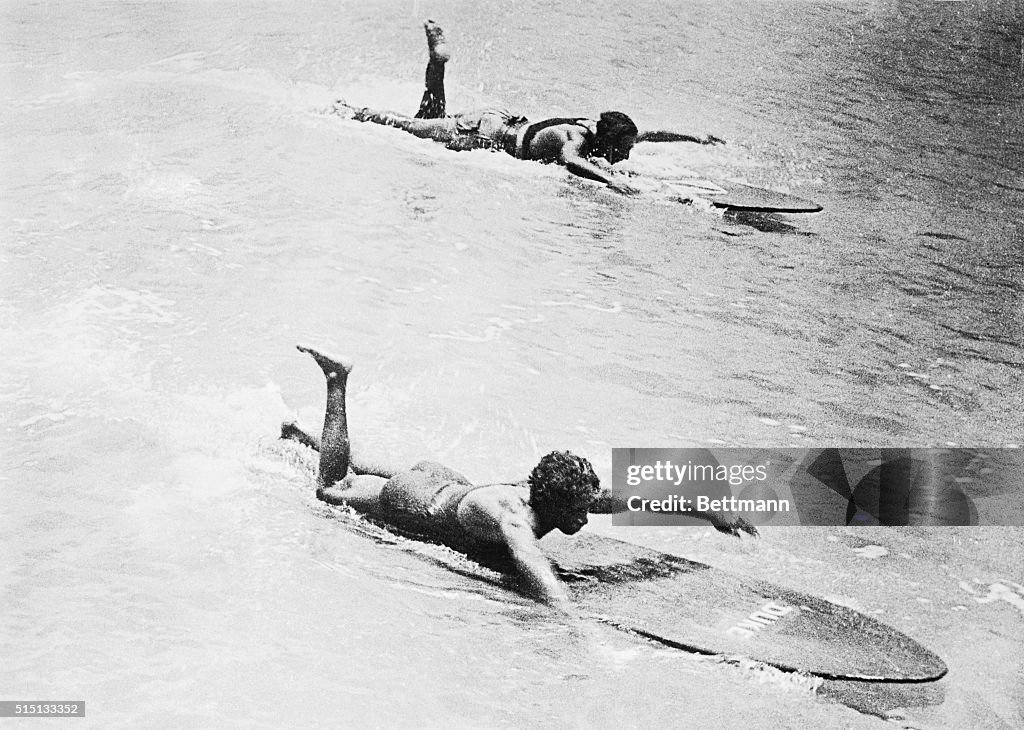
(736, 196)
(698, 608)
(695, 607)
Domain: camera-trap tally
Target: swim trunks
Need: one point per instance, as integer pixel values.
(425, 501)
(485, 129)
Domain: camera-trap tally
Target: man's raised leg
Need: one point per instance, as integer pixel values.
(334, 443)
(432, 105)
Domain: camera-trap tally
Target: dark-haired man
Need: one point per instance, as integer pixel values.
(437, 503)
(431, 501)
(586, 147)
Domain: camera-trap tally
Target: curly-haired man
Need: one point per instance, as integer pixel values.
(437, 503)
(486, 521)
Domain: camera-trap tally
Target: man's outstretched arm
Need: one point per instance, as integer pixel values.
(587, 169)
(578, 165)
(533, 566)
(663, 135)
(606, 503)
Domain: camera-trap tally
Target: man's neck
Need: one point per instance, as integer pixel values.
(540, 527)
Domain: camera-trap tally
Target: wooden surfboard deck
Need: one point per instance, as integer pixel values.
(736, 196)
(699, 608)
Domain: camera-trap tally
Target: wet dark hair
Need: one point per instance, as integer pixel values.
(560, 481)
(611, 128)
(615, 125)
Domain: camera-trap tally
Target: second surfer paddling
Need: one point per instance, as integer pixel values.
(585, 147)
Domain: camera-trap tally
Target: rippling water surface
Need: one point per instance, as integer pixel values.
(178, 213)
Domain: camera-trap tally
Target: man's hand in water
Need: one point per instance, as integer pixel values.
(622, 187)
(736, 526)
(564, 607)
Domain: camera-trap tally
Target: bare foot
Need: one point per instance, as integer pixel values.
(292, 431)
(436, 42)
(332, 366)
(342, 109)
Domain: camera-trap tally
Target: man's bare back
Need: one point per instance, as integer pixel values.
(438, 503)
(586, 147)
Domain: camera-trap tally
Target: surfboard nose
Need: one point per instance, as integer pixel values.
(692, 606)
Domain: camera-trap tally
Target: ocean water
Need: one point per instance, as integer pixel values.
(178, 212)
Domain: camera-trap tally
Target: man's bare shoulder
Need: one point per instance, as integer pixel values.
(551, 142)
(504, 496)
(487, 509)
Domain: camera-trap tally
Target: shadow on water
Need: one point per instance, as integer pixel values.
(764, 222)
(882, 698)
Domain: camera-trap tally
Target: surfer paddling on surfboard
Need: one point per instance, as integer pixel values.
(585, 147)
(436, 503)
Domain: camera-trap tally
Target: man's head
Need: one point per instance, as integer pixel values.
(616, 135)
(562, 487)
